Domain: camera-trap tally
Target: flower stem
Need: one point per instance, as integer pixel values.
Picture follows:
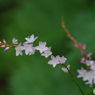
(76, 44)
(7, 45)
(68, 32)
(74, 79)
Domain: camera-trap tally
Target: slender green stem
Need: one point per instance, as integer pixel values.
(74, 79)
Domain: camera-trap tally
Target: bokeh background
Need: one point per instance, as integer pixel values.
(31, 75)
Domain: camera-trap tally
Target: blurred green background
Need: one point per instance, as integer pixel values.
(31, 75)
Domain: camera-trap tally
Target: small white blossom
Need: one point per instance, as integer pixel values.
(47, 52)
(89, 62)
(31, 53)
(14, 41)
(62, 59)
(19, 49)
(92, 67)
(29, 49)
(88, 76)
(65, 69)
(42, 47)
(54, 61)
(57, 60)
(31, 39)
(81, 72)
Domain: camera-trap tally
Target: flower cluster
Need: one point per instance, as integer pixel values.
(88, 74)
(30, 49)
(57, 60)
(27, 46)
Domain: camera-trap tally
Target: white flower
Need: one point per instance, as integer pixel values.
(31, 39)
(47, 52)
(89, 62)
(81, 72)
(62, 59)
(65, 69)
(88, 76)
(31, 53)
(19, 49)
(42, 47)
(29, 49)
(14, 41)
(54, 60)
(92, 67)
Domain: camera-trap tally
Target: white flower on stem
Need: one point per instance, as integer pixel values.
(30, 39)
(54, 60)
(62, 59)
(81, 72)
(65, 69)
(92, 67)
(29, 49)
(31, 53)
(14, 41)
(42, 47)
(57, 60)
(90, 83)
(47, 52)
(89, 62)
(88, 76)
(19, 49)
